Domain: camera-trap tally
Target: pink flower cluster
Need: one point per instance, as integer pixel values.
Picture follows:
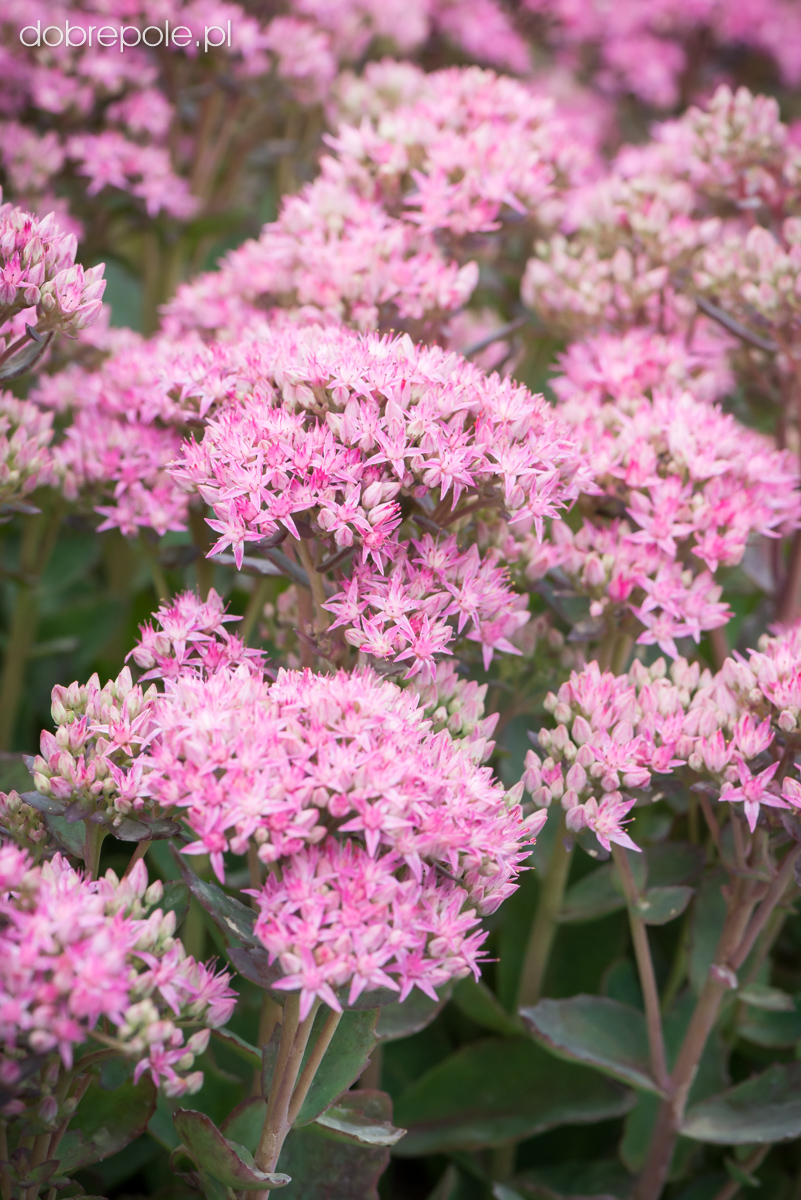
(727, 734)
(662, 223)
(646, 47)
(78, 955)
(390, 838)
(39, 277)
(94, 761)
(339, 430)
(26, 461)
(687, 485)
(444, 156)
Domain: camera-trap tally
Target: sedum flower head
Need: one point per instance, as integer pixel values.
(78, 956)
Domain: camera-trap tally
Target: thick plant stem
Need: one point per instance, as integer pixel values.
(290, 1056)
(21, 636)
(312, 1063)
(258, 598)
(543, 931)
(160, 585)
(671, 1113)
(621, 653)
(645, 968)
(95, 836)
(204, 567)
(322, 618)
(39, 535)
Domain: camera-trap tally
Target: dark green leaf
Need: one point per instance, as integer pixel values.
(772, 1029)
(363, 1116)
(324, 1167)
(738, 1173)
(659, 905)
(106, 1121)
(228, 1162)
(417, 1010)
(769, 999)
(598, 1031)
(709, 913)
(766, 1108)
(129, 830)
(594, 896)
(244, 1050)
(597, 1179)
(44, 804)
(234, 919)
(496, 1090)
(671, 863)
(475, 1000)
(253, 963)
(68, 835)
(175, 899)
(343, 1063)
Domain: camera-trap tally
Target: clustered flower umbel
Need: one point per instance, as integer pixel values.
(26, 460)
(77, 954)
(338, 429)
(93, 762)
(733, 735)
(643, 47)
(38, 273)
(698, 210)
(390, 839)
(455, 153)
(689, 485)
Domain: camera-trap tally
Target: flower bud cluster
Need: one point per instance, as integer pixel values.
(674, 217)
(22, 824)
(38, 271)
(26, 459)
(90, 762)
(694, 483)
(77, 954)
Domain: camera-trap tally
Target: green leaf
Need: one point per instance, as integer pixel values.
(592, 897)
(106, 1121)
(764, 1109)
(175, 899)
(343, 1063)
(496, 1090)
(398, 1020)
(739, 1174)
(709, 913)
(363, 1116)
(44, 804)
(323, 1166)
(228, 1162)
(242, 1049)
(769, 999)
(160, 1126)
(771, 1028)
(605, 1177)
(234, 919)
(671, 863)
(598, 1031)
(245, 1123)
(475, 1000)
(70, 836)
(659, 905)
